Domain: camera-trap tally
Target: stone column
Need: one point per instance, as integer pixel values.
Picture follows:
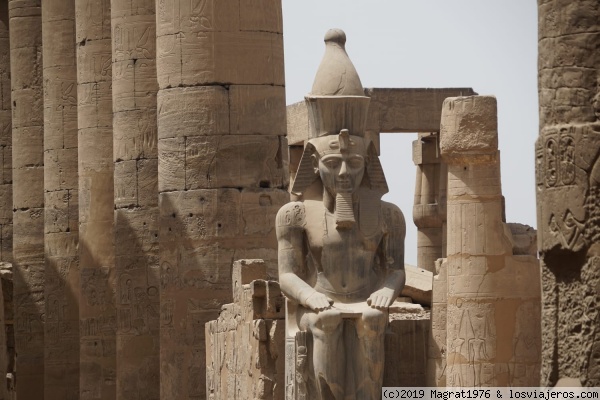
(61, 201)
(6, 213)
(568, 188)
(429, 210)
(136, 197)
(96, 201)
(28, 196)
(221, 127)
(493, 313)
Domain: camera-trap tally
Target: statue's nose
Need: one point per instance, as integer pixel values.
(343, 169)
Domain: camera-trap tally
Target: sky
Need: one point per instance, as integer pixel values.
(488, 45)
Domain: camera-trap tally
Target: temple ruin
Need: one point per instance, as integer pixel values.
(146, 149)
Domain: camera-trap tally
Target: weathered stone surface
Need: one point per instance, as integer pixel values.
(61, 288)
(98, 317)
(469, 126)
(567, 179)
(493, 313)
(135, 152)
(245, 345)
(437, 343)
(28, 199)
(5, 139)
(418, 284)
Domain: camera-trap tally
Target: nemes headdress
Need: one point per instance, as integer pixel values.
(337, 116)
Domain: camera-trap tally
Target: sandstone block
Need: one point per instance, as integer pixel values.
(136, 136)
(147, 183)
(126, 184)
(469, 127)
(186, 112)
(95, 105)
(62, 52)
(60, 169)
(418, 284)
(134, 85)
(93, 22)
(94, 61)
(215, 57)
(28, 107)
(57, 211)
(233, 161)
(257, 109)
(261, 15)
(173, 16)
(28, 144)
(33, 197)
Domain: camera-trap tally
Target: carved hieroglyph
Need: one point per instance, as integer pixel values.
(28, 198)
(134, 89)
(568, 188)
(96, 200)
(341, 249)
(221, 165)
(493, 312)
(61, 286)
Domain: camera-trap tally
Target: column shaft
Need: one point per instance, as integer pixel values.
(96, 201)
(136, 198)
(61, 201)
(221, 127)
(28, 196)
(6, 213)
(493, 313)
(568, 188)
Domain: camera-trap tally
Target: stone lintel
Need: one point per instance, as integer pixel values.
(390, 110)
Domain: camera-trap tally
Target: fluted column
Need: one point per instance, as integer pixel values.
(136, 197)
(221, 126)
(6, 213)
(28, 194)
(568, 188)
(61, 201)
(96, 200)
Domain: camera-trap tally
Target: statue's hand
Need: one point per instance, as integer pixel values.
(381, 299)
(318, 302)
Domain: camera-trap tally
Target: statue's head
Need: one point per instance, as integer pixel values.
(337, 152)
(340, 162)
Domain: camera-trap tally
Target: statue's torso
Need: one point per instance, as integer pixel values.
(342, 263)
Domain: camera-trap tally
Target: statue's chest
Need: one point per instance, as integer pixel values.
(331, 246)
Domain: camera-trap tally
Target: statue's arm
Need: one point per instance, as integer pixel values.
(392, 254)
(290, 223)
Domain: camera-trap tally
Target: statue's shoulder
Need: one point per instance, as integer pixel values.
(392, 215)
(292, 214)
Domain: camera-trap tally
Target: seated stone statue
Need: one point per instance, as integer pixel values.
(341, 249)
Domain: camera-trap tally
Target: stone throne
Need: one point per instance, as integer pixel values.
(341, 249)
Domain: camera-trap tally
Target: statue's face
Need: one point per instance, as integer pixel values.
(341, 172)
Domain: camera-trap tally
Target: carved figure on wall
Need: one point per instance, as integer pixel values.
(341, 249)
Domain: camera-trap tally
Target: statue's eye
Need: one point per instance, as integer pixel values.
(332, 163)
(356, 162)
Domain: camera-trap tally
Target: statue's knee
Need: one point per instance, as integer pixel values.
(327, 321)
(374, 320)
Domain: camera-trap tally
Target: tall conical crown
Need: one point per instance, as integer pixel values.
(337, 100)
(336, 75)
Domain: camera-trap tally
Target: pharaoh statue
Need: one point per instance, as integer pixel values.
(341, 248)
